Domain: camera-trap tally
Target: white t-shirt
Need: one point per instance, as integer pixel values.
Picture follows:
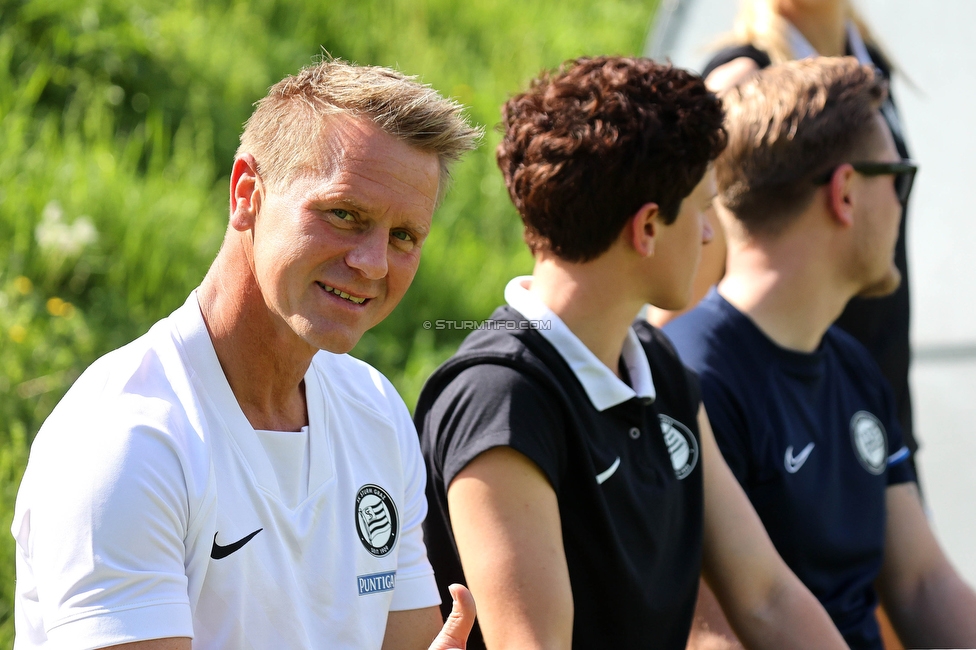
(150, 508)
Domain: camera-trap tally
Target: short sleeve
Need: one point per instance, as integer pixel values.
(100, 524)
(730, 54)
(491, 405)
(694, 388)
(415, 586)
(900, 467)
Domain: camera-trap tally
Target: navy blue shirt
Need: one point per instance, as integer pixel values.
(814, 440)
(881, 324)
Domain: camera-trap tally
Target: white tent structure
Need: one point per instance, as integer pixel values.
(933, 45)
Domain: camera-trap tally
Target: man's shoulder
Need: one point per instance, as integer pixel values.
(142, 385)
(128, 420)
(709, 333)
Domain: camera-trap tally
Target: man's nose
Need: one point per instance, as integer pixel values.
(368, 256)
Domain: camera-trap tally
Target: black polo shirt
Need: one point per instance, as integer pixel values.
(628, 478)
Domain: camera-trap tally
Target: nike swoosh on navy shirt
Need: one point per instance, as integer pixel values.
(792, 464)
(219, 552)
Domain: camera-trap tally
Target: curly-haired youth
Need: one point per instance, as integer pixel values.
(590, 143)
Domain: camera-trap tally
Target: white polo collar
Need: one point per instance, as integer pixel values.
(603, 387)
(803, 50)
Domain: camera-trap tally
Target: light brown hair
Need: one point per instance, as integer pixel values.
(283, 132)
(789, 124)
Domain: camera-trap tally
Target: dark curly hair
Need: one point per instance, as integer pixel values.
(590, 143)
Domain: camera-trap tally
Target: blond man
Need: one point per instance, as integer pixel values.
(233, 477)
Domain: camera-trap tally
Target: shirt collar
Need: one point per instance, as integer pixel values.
(603, 387)
(803, 50)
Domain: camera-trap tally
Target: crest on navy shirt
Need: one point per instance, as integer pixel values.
(377, 520)
(870, 442)
(681, 445)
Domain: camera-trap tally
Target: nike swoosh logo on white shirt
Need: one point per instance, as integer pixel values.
(792, 464)
(608, 472)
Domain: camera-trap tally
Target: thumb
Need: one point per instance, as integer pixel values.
(454, 634)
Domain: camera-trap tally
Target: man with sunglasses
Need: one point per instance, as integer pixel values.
(811, 190)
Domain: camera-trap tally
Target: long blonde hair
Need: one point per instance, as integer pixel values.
(758, 24)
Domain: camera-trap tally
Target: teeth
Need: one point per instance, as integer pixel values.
(343, 294)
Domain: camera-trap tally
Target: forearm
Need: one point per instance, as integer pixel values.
(928, 603)
(788, 617)
(940, 612)
(766, 604)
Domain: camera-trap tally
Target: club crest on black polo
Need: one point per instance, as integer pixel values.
(377, 520)
(870, 442)
(681, 445)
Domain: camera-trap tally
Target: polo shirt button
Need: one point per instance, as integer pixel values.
(634, 433)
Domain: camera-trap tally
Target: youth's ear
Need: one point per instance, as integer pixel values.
(246, 192)
(840, 197)
(642, 229)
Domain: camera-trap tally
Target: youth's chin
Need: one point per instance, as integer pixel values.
(675, 301)
(885, 286)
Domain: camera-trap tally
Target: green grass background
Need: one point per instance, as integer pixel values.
(118, 123)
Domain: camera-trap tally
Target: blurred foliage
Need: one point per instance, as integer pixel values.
(118, 124)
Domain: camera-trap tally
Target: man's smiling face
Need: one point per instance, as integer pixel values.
(335, 249)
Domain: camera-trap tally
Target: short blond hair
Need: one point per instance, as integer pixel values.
(283, 132)
(789, 124)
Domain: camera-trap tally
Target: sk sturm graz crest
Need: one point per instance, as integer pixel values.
(377, 520)
(681, 445)
(870, 442)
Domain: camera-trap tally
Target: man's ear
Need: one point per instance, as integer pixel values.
(642, 229)
(840, 195)
(246, 192)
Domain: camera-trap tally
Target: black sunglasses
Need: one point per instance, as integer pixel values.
(903, 171)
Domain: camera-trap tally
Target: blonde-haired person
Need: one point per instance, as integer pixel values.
(233, 476)
(768, 32)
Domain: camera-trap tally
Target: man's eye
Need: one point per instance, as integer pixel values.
(401, 235)
(344, 215)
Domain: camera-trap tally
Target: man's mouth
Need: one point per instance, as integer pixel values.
(342, 294)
